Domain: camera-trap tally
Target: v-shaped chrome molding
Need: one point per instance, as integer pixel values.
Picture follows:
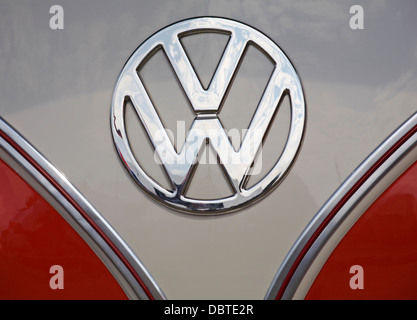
(137, 281)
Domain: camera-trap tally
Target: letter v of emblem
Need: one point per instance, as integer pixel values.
(206, 125)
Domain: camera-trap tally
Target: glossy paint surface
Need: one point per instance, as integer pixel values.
(56, 88)
(33, 238)
(384, 243)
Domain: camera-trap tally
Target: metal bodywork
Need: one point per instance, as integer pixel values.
(56, 89)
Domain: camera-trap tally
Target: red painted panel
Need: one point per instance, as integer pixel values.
(384, 243)
(34, 237)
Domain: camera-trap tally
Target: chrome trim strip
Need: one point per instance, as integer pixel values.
(338, 207)
(126, 258)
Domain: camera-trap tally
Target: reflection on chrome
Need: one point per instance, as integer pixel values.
(207, 126)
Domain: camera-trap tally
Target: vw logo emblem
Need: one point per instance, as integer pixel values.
(206, 126)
